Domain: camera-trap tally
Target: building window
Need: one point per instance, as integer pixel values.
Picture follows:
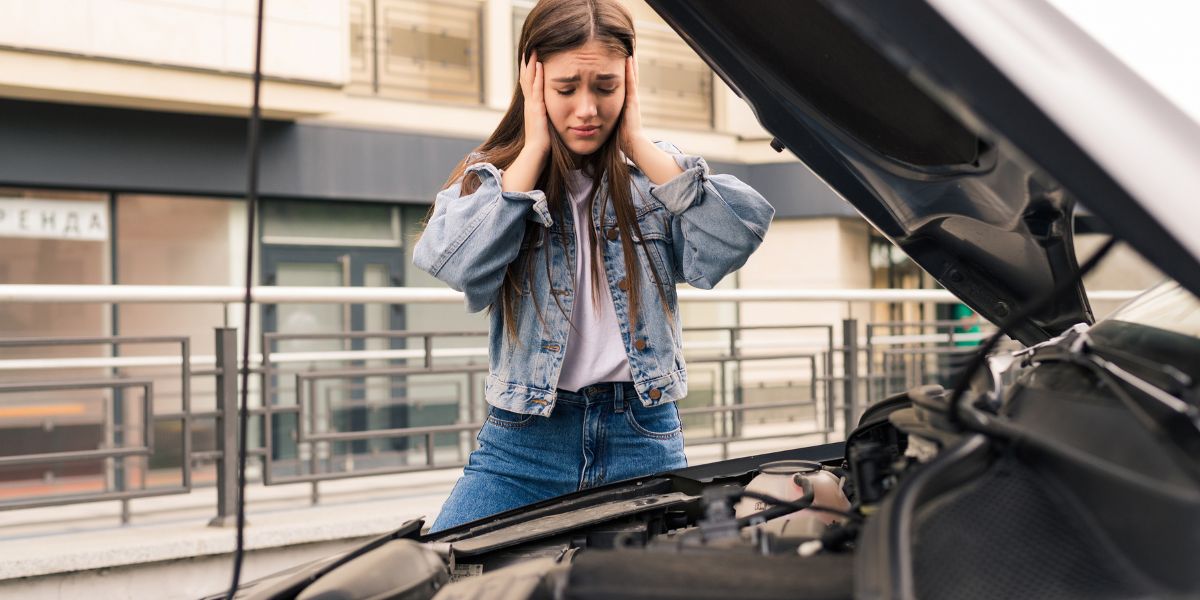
(330, 223)
(520, 10)
(165, 240)
(362, 48)
(172, 240)
(675, 85)
(417, 49)
(52, 237)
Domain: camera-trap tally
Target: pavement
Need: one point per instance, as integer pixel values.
(45, 541)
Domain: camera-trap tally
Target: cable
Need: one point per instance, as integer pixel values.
(781, 507)
(252, 152)
(964, 381)
(792, 506)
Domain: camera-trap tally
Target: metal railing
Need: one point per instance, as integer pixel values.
(889, 358)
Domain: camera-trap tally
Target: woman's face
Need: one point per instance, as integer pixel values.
(585, 91)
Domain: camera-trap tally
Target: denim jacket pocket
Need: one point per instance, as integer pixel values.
(532, 242)
(657, 244)
(508, 419)
(659, 422)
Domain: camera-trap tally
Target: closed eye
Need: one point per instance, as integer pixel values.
(604, 91)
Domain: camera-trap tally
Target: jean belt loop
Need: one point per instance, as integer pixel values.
(618, 398)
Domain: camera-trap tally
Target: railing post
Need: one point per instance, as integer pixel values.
(227, 428)
(870, 351)
(850, 371)
(830, 386)
(739, 398)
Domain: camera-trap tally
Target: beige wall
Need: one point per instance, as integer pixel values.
(806, 254)
(801, 254)
(1122, 269)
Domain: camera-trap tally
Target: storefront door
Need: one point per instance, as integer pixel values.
(354, 404)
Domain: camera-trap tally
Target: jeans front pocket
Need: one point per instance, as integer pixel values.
(508, 419)
(659, 422)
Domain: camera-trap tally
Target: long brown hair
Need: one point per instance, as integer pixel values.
(555, 26)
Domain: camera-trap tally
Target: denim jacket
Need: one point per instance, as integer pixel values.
(697, 228)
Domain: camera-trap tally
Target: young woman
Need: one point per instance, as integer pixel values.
(573, 228)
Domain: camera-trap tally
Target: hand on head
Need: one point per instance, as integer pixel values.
(631, 124)
(537, 124)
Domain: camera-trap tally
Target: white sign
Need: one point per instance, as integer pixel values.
(53, 219)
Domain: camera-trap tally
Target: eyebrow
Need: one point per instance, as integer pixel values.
(575, 78)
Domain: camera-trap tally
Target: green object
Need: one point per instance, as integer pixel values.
(961, 312)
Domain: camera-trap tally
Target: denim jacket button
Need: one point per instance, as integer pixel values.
(612, 235)
(623, 285)
(640, 344)
(655, 394)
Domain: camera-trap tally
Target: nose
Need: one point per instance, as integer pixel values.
(586, 108)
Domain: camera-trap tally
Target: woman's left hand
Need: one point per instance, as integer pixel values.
(632, 135)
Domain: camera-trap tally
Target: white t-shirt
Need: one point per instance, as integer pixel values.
(595, 352)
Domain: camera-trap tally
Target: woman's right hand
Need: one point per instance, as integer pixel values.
(537, 124)
(523, 173)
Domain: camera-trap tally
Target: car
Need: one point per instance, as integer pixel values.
(967, 133)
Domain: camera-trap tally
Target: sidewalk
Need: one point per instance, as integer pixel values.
(49, 552)
(45, 541)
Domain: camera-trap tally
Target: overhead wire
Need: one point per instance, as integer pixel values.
(252, 160)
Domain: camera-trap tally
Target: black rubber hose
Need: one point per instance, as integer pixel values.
(781, 507)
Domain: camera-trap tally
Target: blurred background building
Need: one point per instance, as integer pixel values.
(122, 149)
(122, 157)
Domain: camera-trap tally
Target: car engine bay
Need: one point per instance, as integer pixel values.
(1022, 496)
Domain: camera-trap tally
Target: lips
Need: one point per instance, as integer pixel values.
(587, 131)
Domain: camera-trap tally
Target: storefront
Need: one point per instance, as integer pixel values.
(109, 196)
(92, 195)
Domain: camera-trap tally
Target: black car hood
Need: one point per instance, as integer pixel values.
(895, 109)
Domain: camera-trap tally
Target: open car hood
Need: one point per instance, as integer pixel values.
(966, 132)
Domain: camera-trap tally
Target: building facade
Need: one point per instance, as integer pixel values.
(122, 161)
(122, 146)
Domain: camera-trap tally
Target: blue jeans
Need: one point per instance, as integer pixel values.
(599, 435)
